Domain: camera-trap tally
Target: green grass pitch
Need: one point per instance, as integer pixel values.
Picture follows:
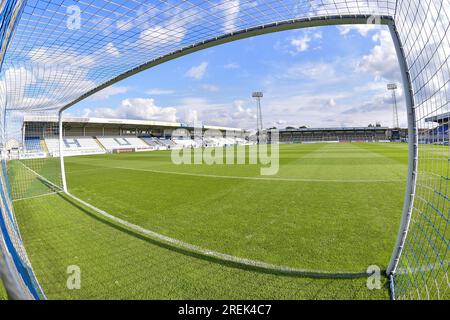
(332, 208)
(3, 295)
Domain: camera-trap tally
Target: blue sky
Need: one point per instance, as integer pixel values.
(318, 77)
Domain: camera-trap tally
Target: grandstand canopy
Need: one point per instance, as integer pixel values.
(122, 123)
(348, 129)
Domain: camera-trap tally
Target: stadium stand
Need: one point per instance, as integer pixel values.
(124, 143)
(439, 134)
(154, 143)
(169, 144)
(241, 141)
(185, 142)
(229, 141)
(33, 144)
(218, 141)
(74, 146)
(124, 135)
(334, 135)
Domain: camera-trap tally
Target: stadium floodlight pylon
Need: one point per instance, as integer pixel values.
(393, 87)
(259, 121)
(48, 64)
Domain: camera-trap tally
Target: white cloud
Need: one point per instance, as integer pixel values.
(332, 102)
(230, 10)
(109, 92)
(210, 88)
(197, 72)
(138, 109)
(191, 117)
(13, 86)
(382, 61)
(57, 56)
(28, 87)
(236, 114)
(161, 36)
(315, 71)
(327, 110)
(112, 50)
(124, 25)
(194, 103)
(301, 43)
(242, 112)
(169, 34)
(376, 109)
(159, 92)
(363, 29)
(232, 66)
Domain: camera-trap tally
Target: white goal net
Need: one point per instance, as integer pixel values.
(55, 53)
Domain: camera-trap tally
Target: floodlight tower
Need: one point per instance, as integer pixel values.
(393, 87)
(259, 123)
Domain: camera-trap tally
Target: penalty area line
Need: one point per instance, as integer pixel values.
(221, 256)
(37, 196)
(43, 178)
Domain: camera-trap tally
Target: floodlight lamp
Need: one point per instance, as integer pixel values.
(392, 86)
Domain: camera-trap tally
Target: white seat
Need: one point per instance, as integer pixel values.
(123, 142)
(74, 146)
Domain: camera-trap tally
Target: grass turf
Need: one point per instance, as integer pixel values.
(3, 295)
(330, 208)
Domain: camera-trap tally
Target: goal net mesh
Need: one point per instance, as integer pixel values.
(32, 169)
(424, 30)
(61, 51)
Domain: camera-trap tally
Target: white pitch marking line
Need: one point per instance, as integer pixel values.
(260, 178)
(43, 178)
(38, 196)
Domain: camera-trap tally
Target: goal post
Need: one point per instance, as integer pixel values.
(16, 272)
(413, 149)
(61, 150)
(32, 139)
(28, 170)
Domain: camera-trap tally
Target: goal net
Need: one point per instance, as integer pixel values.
(49, 62)
(422, 269)
(32, 156)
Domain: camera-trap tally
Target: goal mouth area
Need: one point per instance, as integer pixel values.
(195, 251)
(172, 229)
(423, 236)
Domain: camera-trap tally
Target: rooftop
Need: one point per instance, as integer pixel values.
(121, 122)
(337, 129)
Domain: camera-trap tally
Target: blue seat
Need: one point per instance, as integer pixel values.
(33, 144)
